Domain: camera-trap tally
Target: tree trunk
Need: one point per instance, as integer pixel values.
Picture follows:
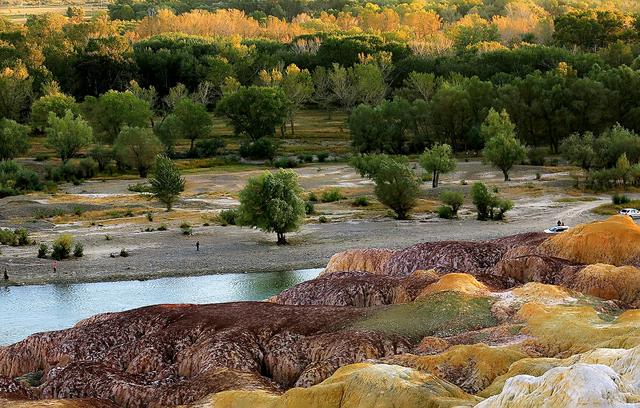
(282, 240)
(434, 181)
(283, 129)
(506, 175)
(191, 148)
(292, 132)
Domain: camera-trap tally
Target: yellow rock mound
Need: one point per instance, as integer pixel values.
(615, 241)
(457, 282)
(610, 282)
(355, 386)
(359, 260)
(471, 367)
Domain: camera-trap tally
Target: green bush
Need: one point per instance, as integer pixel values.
(210, 147)
(78, 250)
(263, 148)
(536, 156)
(489, 206)
(305, 158)
(17, 237)
(43, 250)
(323, 220)
(619, 199)
(162, 227)
(312, 197)
(331, 195)
(140, 188)
(228, 217)
(452, 199)
(322, 157)
(309, 207)
(186, 228)
(149, 216)
(124, 253)
(16, 180)
(285, 163)
(360, 201)
(61, 248)
(444, 211)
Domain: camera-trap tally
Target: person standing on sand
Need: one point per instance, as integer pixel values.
(6, 275)
(54, 266)
(197, 246)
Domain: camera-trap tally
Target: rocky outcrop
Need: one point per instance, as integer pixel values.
(609, 282)
(615, 241)
(357, 386)
(175, 354)
(359, 260)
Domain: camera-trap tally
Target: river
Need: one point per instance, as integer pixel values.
(25, 310)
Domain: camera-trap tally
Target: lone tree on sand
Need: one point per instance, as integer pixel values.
(166, 184)
(272, 203)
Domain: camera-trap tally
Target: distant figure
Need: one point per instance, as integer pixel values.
(559, 223)
(6, 275)
(197, 245)
(54, 266)
(563, 223)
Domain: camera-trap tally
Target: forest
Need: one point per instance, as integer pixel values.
(409, 75)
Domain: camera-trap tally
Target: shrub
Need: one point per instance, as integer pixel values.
(536, 156)
(78, 210)
(323, 220)
(186, 228)
(140, 188)
(228, 217)
(149, 216)
(78, 250)
(312, 197)
(263, 148)
(360, 201)
(309, 207)
(452, 199)
(15, 179)
(17, 237)
(444, 211)
(331, 195)
(285, 163)
(488, 205)
(61, 248)
(305, 158)
(43, 250)
(107, 238)
(322, 156)
(124, 253)
(162, 227)
(620, 199)
(210, 147)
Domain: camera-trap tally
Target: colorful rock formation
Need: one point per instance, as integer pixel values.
(522, 321)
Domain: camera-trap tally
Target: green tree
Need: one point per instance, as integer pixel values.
(381, 129)
(453, 199)
(68, 134)
(254, 111)
(57, 103)
(166, 183)
(273, 203)
(137, 147)
(579, 150)
(438, 160)
(502, 149)
(15, 92)
(114, 110)
(14, 139)
(192, 121)
(397, 186)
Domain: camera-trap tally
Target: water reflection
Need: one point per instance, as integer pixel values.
(29, 309)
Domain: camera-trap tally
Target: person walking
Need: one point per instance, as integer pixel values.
(6, 275)
(198, 246)
(54, 266)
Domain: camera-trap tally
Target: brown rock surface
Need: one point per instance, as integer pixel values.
(175, 354)
(359, 260)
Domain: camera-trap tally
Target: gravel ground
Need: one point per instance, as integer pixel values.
(233, 249)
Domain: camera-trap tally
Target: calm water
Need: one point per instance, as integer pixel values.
(25, 310)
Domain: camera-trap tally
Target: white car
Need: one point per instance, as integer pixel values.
(556, 230)
(631, 212)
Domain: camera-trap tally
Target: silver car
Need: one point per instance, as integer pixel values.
(556, 230)
(631, 212)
